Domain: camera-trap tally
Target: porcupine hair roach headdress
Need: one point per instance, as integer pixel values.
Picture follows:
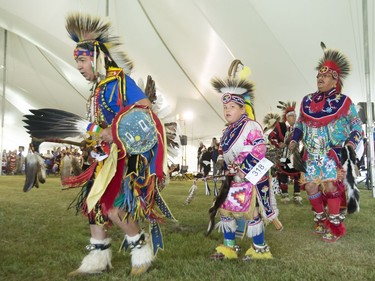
(237, 83)
(335, 63)
(287, 108)
(94, 39)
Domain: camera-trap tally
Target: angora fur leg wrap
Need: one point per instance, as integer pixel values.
(97, 260)
(141, 256)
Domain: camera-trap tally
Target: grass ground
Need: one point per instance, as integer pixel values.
(41, 240)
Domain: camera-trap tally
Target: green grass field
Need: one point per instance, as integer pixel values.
(41, 240)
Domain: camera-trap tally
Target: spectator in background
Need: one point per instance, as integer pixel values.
(12, 162)
(215, 154)
(206, 162)
(56, 161)
(4, 162)
(20, 161)
(280, 138)
(200, 151)
(48, 160)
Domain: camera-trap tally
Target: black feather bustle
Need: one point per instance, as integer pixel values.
(224, 190)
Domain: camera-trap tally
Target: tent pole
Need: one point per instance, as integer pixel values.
(370, 122)
(4, 68)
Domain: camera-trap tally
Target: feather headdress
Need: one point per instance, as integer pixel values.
(93, 31)
(287, 108)
(237, 83)
(270, 121)
(336, 63)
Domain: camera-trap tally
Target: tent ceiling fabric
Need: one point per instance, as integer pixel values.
(182, 45)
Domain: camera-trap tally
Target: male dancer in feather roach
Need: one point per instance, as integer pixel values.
(280, 138)
(331, 132)
(121, 187)
(244, 207)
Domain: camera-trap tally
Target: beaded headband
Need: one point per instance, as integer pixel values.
(226, 98)
(325, 69)
(80, 52)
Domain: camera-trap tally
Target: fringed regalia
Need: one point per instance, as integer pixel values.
(280, 138)
(330, 129)
(244, 208)
(281, 134)
(126, 179)
(132, 169)
(243, 145)
(325, 131)
(123, 181)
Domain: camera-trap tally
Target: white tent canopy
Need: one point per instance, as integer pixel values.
(182, 44)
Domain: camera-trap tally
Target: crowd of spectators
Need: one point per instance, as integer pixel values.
(13, 161)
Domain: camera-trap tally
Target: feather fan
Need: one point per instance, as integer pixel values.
(54, 123)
